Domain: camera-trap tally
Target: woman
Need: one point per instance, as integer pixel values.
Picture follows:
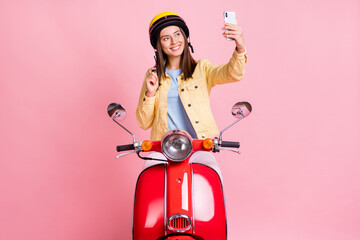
(175, 94)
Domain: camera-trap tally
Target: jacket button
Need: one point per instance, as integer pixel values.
(182, 89)
(182, 78)
(196, 86)
(189, 105)
(144, 99)
(197, 121)
(203, 136)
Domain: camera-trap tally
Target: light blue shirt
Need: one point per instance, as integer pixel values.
(177, 117)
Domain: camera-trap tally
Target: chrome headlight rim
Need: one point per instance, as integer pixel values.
(182, 136)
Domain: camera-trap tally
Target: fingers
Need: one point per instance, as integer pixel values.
(232, 31)
(153, 81)
(152, 78)
(231, 35)
(152, 70)
(232, 28)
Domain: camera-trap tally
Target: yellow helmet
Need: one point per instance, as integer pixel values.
(163, 20)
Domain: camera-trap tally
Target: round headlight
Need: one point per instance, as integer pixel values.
(176, 145)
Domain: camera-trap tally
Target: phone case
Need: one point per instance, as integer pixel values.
(229, 17)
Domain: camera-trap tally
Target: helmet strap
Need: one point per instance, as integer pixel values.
(191, 47)
(156, 55)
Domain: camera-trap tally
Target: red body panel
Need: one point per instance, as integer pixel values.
(209, 205)
(148, 222)
(179, 189)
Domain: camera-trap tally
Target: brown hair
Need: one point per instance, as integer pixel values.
(187, 62)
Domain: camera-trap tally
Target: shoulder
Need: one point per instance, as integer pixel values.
(201, 69)
(202, 64)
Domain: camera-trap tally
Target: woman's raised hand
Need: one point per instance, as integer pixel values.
(152, 82)
(235, 33)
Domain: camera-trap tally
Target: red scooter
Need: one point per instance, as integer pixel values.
(177, 199)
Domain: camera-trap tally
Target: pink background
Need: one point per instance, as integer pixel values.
(63, 62)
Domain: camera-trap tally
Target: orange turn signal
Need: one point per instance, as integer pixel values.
(146, 145)
(208, 143)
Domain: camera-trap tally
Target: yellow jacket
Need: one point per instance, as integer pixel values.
(194, 94)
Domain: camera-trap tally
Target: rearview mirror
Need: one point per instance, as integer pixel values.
(117, 111)
(241, 110)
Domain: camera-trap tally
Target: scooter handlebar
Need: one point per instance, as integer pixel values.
(125, 147)
(230, 144)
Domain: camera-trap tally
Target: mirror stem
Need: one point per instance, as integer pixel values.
(124, 128)
(220, 135)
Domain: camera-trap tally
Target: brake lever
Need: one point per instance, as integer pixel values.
(230, 149)
(123, 154)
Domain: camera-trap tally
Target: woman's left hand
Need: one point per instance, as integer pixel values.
(235, 33)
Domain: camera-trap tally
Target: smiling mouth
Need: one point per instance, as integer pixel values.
(175, 48)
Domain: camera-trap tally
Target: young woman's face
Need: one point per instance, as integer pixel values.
(172, 41)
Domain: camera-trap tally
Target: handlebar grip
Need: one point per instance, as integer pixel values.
(125, 147)
(230, 144)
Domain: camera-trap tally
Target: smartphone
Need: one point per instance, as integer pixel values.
(230, 17)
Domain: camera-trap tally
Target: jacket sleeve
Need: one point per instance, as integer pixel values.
(230, 72)
(145, 111)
